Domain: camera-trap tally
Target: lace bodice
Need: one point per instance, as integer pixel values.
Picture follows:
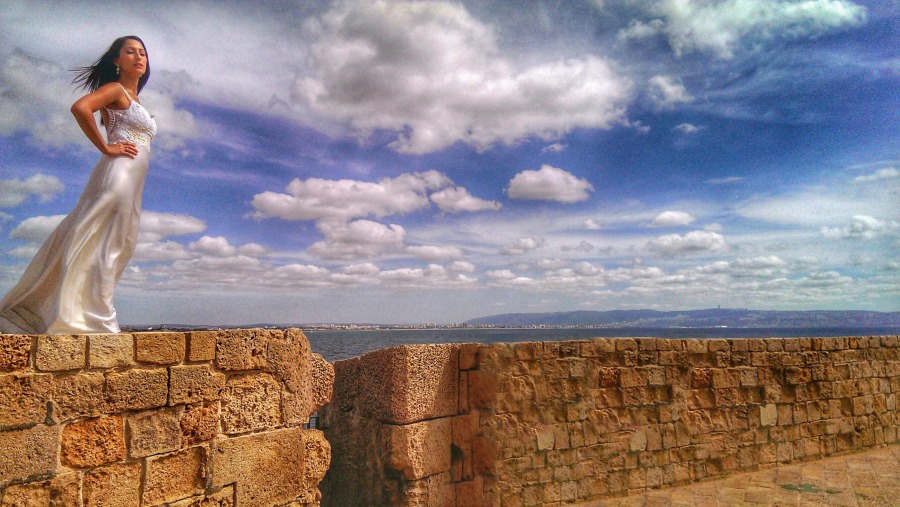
(132, 124)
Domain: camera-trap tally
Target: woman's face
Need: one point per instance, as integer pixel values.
(132, 59)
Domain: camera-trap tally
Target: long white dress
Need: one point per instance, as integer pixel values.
(68, 287)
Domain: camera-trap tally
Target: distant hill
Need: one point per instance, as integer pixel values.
(715, 317)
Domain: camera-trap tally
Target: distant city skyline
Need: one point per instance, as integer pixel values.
(436, 162)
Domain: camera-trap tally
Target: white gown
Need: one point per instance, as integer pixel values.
(68, 287)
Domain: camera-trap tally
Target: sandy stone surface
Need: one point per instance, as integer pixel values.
(175, 476)
(154, 431)
(93, 442)
(14, 352)
(193, 383)
(250, 402)
(116, 485)
(201, 345)
(28, 452)
(160, 348)
(137, 389)
(110, 350)
(199, 423)
(61, 352)
(81, 395)
(23, 399)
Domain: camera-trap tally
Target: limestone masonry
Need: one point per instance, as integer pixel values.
(560, 423)
(218, 418)
(209, 418)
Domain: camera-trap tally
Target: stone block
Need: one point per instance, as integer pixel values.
(93, 442)
(116, 485)
(14, 352)
(61, 352)
(242, 349)
(28, 453)
(194, 383)
(81, 395)
(420, 449)
(222, 498)
(160, 348)
(61, 491)
(322, 380)
(175, 476)
(24, 399)
(199, 423)
(289, 359)
(110, 350)
(137, 389)
(155, 431)
(468, 356)
(768, 415)
(201, 345)
(409, 383)
(250, 402)
(268, 468)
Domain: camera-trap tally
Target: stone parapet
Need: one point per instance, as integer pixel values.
(212, 418)
(560, 423)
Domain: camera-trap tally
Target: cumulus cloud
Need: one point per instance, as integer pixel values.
(14, 192)
(318, 199)
(720, 27)
(156, 225)
(666, 91)
(36, 229)
(590, 224)
(357, 239)
(673, 219)
(456, 199)
(687, 128)
(435, 253)
(549, 184)
(522, 246)
(692, 242)
(434, 74)
(555, 148)
(881, 174)
(861, 227)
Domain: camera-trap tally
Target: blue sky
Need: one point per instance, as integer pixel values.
(413, 162)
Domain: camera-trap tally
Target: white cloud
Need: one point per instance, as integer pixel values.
(317, 198)
(687, 128)
(590, 224)
(216, 247)
(694, 241)
(14, 192)
(881, 174)
(720, 27)
(666, 91)
(434, 74)
(36, 229)
(726, 180)
(549, 184)
(156, 225)
(435, 253)
(458, 199)
(673, 219)
(861, 227)
(357, 239)
(522, 246)
(555, 148)
(462, 267)
(817, 206)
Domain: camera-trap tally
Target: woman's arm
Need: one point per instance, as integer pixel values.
(110, 94)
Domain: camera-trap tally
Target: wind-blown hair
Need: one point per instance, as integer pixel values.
(104, 70)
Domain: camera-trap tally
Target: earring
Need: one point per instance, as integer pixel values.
(117, 70)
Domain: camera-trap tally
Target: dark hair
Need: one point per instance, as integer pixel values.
(104, 70)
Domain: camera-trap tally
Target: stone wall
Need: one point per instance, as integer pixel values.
(556, 423)
(210, 418)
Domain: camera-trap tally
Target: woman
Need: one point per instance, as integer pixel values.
(68, 287)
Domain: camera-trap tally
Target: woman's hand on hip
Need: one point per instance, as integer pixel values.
(124, 149)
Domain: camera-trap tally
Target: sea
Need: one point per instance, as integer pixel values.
(335, 345)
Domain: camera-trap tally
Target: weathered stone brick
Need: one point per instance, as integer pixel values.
(24, 399)
(110, 350)
(160, 348)
(60, 352)
(420, 449)
(93, 442)
(250, 402)
(61, 491)
(268, 468)
(112, 485)
(79, 395)
(28, 452)
(289, 359)
(242, 349)
(137, 389)
(199, 423)
(201, 345)
(154, 431)
(175, 476)
(14, 352)
(222, 498)
(468, 356)
(193, 383)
